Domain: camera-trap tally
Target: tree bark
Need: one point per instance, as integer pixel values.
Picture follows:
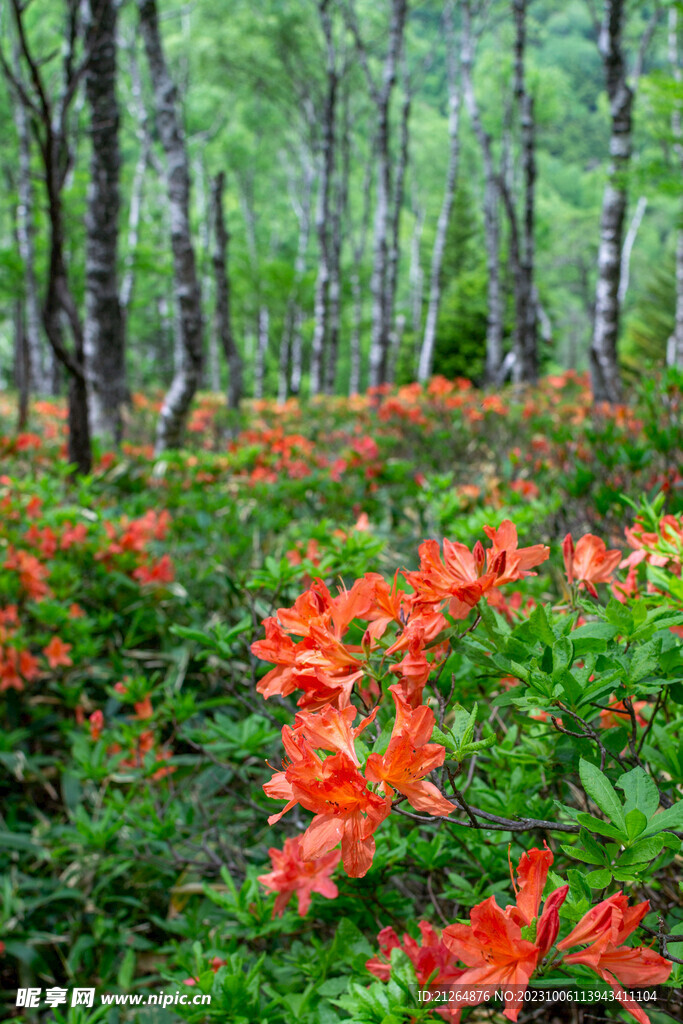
(292, 343)
(396, 331)
(222, 283)
(51, 126)
(604, 366)
(338, 218)
(261, 350)
(103, 335)
(382, 315)
(526, 333)
(435, 282)
(356, 289)
(22, 365)
(184, 385)
(494, 328)
(321, 330)
(674, 354)
(38, 380)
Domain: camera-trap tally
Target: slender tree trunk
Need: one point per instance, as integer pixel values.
(39, 380)
(296, 354)
(674, 354)
(395, 334)
(203, 208)
(627, 250)
(415, 272)
(103, 331)
(494, 329)
(604, 366)
(22, 364)
(261, 350)
(356, 288)
(321, 330)
(179, 397)
(381, 96)
(454, 98)
(336, 241)
(292, 342)
(526, 332)
(223, 318)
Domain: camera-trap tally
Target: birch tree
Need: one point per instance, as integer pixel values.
(494, 328)
(103, 338)
(621, 93)
(381, 93)
(674, 354)
(222, 284)
(186, 377)
(426, 359)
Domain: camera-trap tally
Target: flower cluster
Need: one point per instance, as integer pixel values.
(504, 949)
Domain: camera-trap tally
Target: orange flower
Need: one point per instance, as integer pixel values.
(409, 757)
(618, 714)
(96, 723)
(590, 562)
(346, 810)
(292, 874)
(492, 945)
(143, 709)
(57, 653)
(605, 926)
(430, 957)
(159, 572)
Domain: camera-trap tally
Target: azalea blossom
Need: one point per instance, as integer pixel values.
(57, 653)
(492, 946)
(409, 757)
(293, 875)
(430, 957)
(603, 928)
(589, 562)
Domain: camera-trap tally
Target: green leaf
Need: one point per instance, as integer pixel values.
(603, 828)
(671, 818)
(601, 790)
(640, 791)
(539, 625)
(636, 822)
(641, 852)
(599, 879)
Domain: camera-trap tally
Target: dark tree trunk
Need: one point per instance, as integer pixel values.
(526, 332)
(39, 379)
(222, 283)
(179, 397)
(51, 126)
(103, 332)
(22, 364)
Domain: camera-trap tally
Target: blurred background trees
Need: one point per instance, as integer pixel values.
(372, 192)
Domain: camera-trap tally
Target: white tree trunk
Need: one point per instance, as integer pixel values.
(179, 396)
(103, 334)
(604, 366)
(494, 329)
(426, 360)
